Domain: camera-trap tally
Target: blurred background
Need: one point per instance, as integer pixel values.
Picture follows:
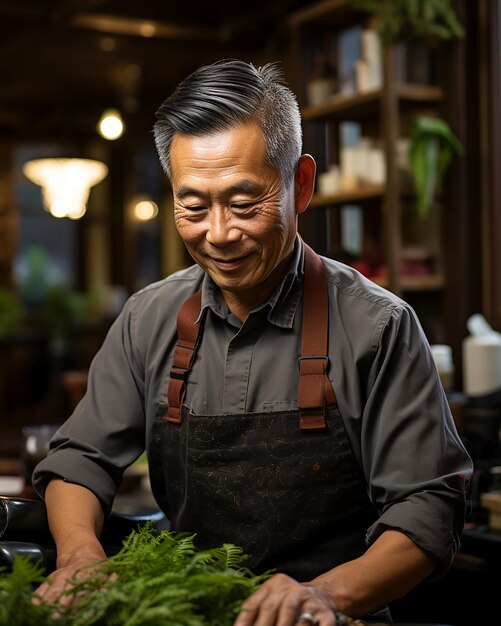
(63, 66)
(400, 104)
(400, 110)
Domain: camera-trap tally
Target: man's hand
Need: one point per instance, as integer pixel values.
(281, 600)
(60, 580)
(391, 566)
(75, 519)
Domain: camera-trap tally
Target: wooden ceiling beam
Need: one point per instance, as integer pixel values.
(120, 25)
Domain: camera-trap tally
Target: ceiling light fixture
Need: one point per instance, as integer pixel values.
(65, 183)
(111, 125)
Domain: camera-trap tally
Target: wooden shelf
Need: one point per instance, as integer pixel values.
(358, 106)
(383, 115)
(360, 194)
(415, 92)
(367, 104)
(431, 282)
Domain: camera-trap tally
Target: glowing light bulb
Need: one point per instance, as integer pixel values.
(111, 125)
(145, 210)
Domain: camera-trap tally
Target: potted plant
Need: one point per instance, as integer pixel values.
(399, 20)
(432, 146)
(432, 142)
(11, 312)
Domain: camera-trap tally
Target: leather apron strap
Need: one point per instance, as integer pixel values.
(188, 333)
(315, 392)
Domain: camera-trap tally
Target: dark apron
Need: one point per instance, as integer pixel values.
(282, 485)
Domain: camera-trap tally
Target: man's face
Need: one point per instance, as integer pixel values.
(232, 211)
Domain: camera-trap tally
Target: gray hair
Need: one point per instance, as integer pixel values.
(229, 93)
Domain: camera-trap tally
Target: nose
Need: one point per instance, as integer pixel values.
(222, 230)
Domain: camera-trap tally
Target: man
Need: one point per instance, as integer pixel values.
(287, 404)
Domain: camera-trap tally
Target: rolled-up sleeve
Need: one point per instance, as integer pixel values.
(106, 432)
(415, 464)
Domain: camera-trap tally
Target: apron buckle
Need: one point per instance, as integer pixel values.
(311, 392)
(179, 374)
(312, 419)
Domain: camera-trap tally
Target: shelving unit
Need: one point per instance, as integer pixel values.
(363, 105)
(390, 221)
(348, 197)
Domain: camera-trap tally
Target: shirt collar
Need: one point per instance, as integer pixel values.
(282, 304)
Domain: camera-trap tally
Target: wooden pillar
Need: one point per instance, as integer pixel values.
(390, 125)
(8, 218)
(490, 149)
(462, 218)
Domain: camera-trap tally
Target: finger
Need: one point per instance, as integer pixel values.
(260, 610)
(263, 606)
(47, 593)
(289, 610)
(300, 605)
(41, 593)
(307, 606)
(53, 588)
(308, 618)
(250, 608)
(316, 616)
(249, 611)
(282, 604)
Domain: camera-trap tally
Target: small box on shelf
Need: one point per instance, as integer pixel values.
(491, 500)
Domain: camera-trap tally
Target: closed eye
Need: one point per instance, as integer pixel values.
(242, 205)
(195, 208)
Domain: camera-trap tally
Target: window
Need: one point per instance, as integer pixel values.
(45, 244)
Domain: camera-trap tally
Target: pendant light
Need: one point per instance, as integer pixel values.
(65, 183)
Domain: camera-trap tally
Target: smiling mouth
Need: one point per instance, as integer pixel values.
(230, 264)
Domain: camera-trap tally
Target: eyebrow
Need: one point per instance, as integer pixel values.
(243, 186)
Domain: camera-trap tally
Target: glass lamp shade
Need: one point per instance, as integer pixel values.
(65, 183)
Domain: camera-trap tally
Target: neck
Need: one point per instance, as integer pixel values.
(242, 303)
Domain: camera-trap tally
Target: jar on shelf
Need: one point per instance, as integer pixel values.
(322, 84)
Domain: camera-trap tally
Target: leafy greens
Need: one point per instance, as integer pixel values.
(157, 578)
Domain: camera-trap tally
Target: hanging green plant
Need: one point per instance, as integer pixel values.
(432, 146)
(400, 20)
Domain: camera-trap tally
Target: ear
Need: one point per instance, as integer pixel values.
(304, 182)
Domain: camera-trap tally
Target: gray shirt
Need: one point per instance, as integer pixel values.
(389, 394)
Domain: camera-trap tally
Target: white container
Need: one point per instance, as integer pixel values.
(370, 44)
(320, 90)
(442, 355)
(362, 75)
(369, 68)
(328, 182)
(482, 364)
(377, 166)
(350, 168)
(368, 76)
